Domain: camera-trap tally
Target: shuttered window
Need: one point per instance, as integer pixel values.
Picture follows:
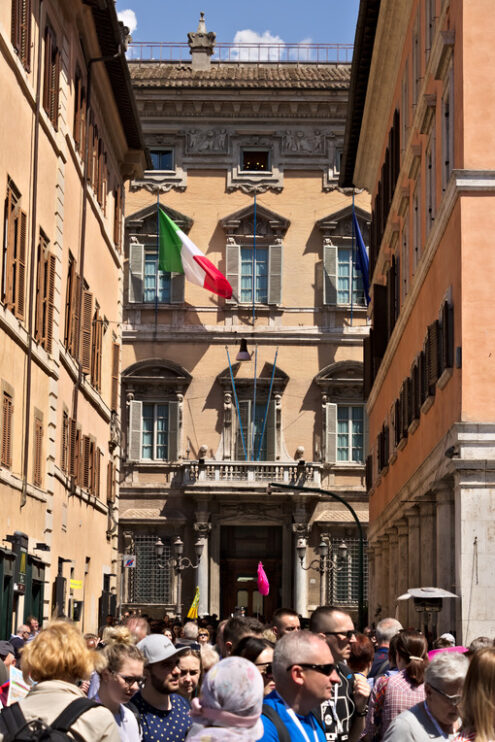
(145, 280)
(64, 454)
(51, 78)
(266, 269)
(345, 433)
(79, 115)
(45, 295)
(347, 276)
(21, 31)
(38, 452)
(96, 348)
(153, 431)
(7, 432)
(86, 327)
(14, 253)
(115, 376)
(118, 212)
(258, 448)
(110, 482)
(71, 336)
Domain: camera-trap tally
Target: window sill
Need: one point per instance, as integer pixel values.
(427, 404)
(402, 444)
(413, 426)
(445, 377)
(392, 459)
(147, 305)
(351, 466)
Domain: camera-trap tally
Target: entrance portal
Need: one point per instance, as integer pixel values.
(241, 548)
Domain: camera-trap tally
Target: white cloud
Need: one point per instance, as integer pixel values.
(128, 18)
(253, 52)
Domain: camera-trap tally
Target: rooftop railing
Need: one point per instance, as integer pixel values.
(170, 51)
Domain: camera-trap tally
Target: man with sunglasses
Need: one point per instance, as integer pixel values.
(343, 715)
(437, 717)
(304, 674)
(164, 714)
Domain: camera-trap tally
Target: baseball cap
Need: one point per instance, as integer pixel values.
(448, 637)
(157, 647)
(6, 648)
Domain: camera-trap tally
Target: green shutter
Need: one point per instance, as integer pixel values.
(173, 431)
(135, 430)
(270, 433)
(330, 274)
(275, 274)
(136, 271)
(331, 433)
(232, 265)
(176, 288)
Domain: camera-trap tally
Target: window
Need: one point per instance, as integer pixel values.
(350, 433)
(447, 129)
(79, 115)
(64, 454)
(118, 196)
(429, 26)
(45, 295)
(254, 261)
(51, 77)
(416, 61)
(97, 328)
(115, 376)
(155, 281)
(7, 432)
(162, 159)
(38, 452)
(14, 253)
(405, 259)
(252, 429)
(153, 431)
(21, 31)
(111, 482)
(149, 582)
(90, 460)
(346, 267)
(267, 272)
(144, 281)
(73, 288)
(343, 580)
(255, 160)
(430, 183)
(416, 225)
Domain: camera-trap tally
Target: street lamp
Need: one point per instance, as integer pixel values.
(322, 565)
(178, 562)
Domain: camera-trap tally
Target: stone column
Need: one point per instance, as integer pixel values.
(300, 529)
(393, 541)
(385, 578)
(378, 613)
(402, 568)
(202, 528)
(414, 563)
(445, 543)
(371, 582)
(215, 569)
(427, 522)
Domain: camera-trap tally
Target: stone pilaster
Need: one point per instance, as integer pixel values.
(393, 541)
(402, 567)
(445, 549)
(414, 560)
(202, 528)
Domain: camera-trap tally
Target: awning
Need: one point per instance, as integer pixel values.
(335, 512)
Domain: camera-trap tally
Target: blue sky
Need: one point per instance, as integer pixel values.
(318, 21)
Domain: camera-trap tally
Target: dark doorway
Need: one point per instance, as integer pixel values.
(241, 548)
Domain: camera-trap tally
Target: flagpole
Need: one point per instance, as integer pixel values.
(352, 257)
(253, 426)
(237, 405)
(157, 282)
(267, 405)
(254, 262)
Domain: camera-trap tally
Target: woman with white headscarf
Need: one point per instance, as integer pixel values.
(229, 707)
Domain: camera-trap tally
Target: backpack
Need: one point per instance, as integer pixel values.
(13, 724)
(282, 731)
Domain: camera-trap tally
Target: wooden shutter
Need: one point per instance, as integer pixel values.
(64, 456)
(110, 482)
(423, 377)
(18, 297)
(37, 452)
(173, 431)
(86, 322)
(331, 433)
(50, 301)
(47, 76)
(177, 288)
(7, 409)
(85, 462)
(115, 376)
(54, 87)
(25, 34)
(397, 422)
(75, 324)
(416, 391)
(329, 274)
(447, 355)
(391, 297)
(392, 431)
(270, 433)
(135, 430)
(117, 221)
(97, 473)
(136, 271)
(274, 274)
(380, 330)
(15, 25)
(432, 356)
(410, 400)
(232, 271)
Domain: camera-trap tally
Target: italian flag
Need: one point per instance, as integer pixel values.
(179, 255)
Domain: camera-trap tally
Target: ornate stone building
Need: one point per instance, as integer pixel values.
(246, 161)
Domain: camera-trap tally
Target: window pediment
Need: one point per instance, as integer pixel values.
(240, 224)
(339, 223)
(245, 383)
(342, 380)
(156, 376)
(143, 222)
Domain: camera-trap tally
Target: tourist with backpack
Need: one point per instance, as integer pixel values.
(56, 709)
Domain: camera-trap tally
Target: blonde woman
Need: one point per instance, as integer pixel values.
(56, 660)
(478, 699)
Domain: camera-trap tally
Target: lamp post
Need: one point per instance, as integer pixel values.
(334, 496)
(178, 562)
(322, 564)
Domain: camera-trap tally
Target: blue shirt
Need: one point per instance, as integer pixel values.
(309, 723)
(163, 726)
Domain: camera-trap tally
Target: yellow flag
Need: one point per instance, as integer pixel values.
(193, 610)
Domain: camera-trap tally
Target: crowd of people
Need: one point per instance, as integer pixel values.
(240, 680)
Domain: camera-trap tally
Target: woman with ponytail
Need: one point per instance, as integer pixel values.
(392, 695)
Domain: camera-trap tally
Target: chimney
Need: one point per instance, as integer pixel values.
(201, 45)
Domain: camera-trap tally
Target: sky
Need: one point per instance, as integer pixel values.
(280, 21)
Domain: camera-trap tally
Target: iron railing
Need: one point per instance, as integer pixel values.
(343, 580)
(170, 51)
(149, 583)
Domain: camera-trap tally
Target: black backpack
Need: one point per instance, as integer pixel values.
(282, 731)
(13, 724)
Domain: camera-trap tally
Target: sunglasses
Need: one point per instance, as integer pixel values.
(454, 700)
(265, 668)
(201, 635)
(131, 680)
(324, 669)
(348, 634)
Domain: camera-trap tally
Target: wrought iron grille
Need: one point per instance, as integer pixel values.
(149, 583)
(343, 580)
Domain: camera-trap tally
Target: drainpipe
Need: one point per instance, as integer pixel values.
(32, 263)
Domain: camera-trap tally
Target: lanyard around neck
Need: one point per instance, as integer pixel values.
(297, 721)
(435, 723)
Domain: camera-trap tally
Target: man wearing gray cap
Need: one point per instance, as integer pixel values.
(164, 714)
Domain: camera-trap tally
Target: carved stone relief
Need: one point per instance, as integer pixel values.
(206, 141)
